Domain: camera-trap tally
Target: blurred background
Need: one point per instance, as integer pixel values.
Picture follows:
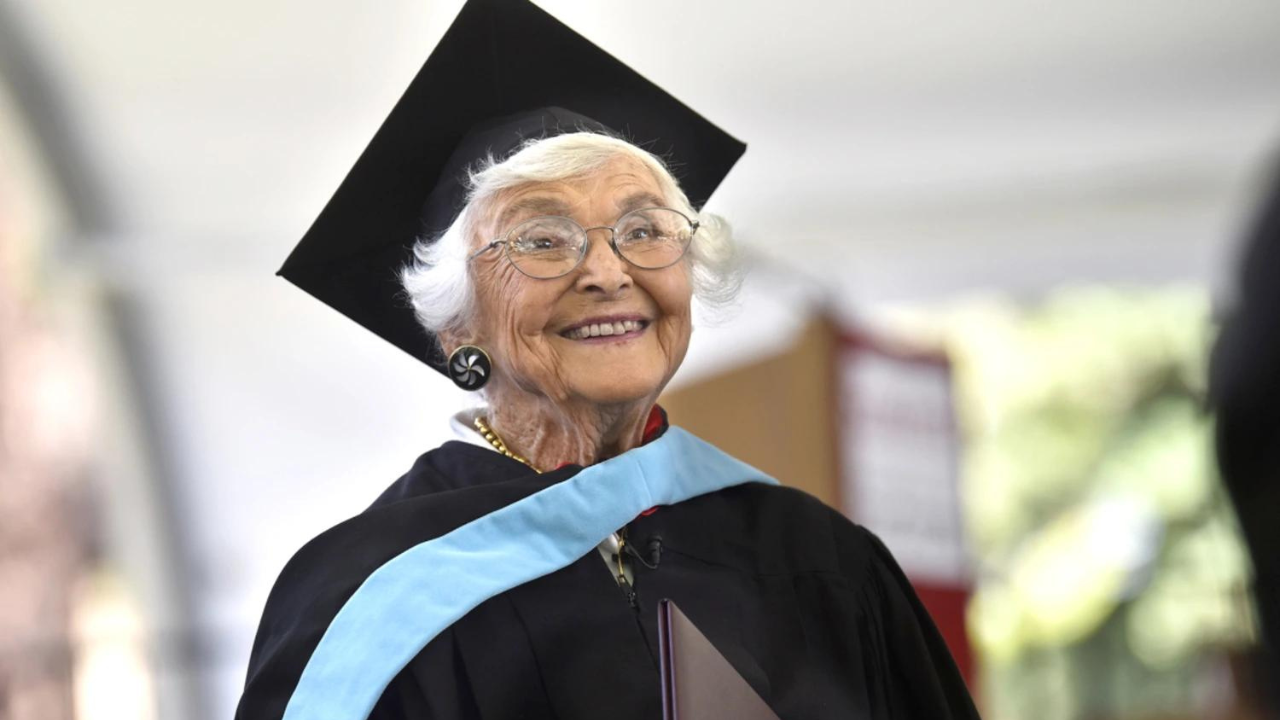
(987, 245)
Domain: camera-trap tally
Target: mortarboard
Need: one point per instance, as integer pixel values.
(505, 71)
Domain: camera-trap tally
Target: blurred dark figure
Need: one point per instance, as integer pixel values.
(1245, 391)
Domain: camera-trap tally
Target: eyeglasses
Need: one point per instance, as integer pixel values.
(551, 246)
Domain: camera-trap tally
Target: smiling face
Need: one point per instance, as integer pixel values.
(605, 333)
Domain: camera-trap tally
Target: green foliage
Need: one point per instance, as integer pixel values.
(1092, 500)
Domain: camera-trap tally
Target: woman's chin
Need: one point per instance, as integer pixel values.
(612, 390)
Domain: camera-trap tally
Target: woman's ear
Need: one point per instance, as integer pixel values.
(451, 340)
(448, 341)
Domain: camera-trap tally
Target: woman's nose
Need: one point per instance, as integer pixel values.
(602, 270)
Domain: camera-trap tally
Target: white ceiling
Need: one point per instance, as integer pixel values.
(235, 120)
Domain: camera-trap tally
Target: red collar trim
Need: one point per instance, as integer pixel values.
(657, 418)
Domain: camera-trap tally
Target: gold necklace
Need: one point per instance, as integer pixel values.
(488, 434)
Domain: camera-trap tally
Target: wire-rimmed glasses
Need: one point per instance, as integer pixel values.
(551, 246)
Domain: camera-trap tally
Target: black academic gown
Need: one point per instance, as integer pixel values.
(809, 608)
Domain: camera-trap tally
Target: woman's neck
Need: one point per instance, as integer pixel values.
(548, 434)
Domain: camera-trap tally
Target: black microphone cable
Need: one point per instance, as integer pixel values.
(653, 551)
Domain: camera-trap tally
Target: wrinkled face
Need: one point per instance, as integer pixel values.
(534, 328)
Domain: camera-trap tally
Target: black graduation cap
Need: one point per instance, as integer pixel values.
(505, 71)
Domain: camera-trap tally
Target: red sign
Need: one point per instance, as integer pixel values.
(898, 461)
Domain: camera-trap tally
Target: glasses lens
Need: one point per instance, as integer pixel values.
(545, 247)
(653, 237)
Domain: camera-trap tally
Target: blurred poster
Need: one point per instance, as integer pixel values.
(898, 464)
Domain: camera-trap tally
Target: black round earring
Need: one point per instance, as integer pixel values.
(470, 367)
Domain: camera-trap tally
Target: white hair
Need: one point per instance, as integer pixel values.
(439, 284)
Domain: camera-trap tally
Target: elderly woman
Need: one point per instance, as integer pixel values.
(516, 571)
(584, 334)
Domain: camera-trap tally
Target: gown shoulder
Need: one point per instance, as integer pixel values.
(892, 645)
(447, 487)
